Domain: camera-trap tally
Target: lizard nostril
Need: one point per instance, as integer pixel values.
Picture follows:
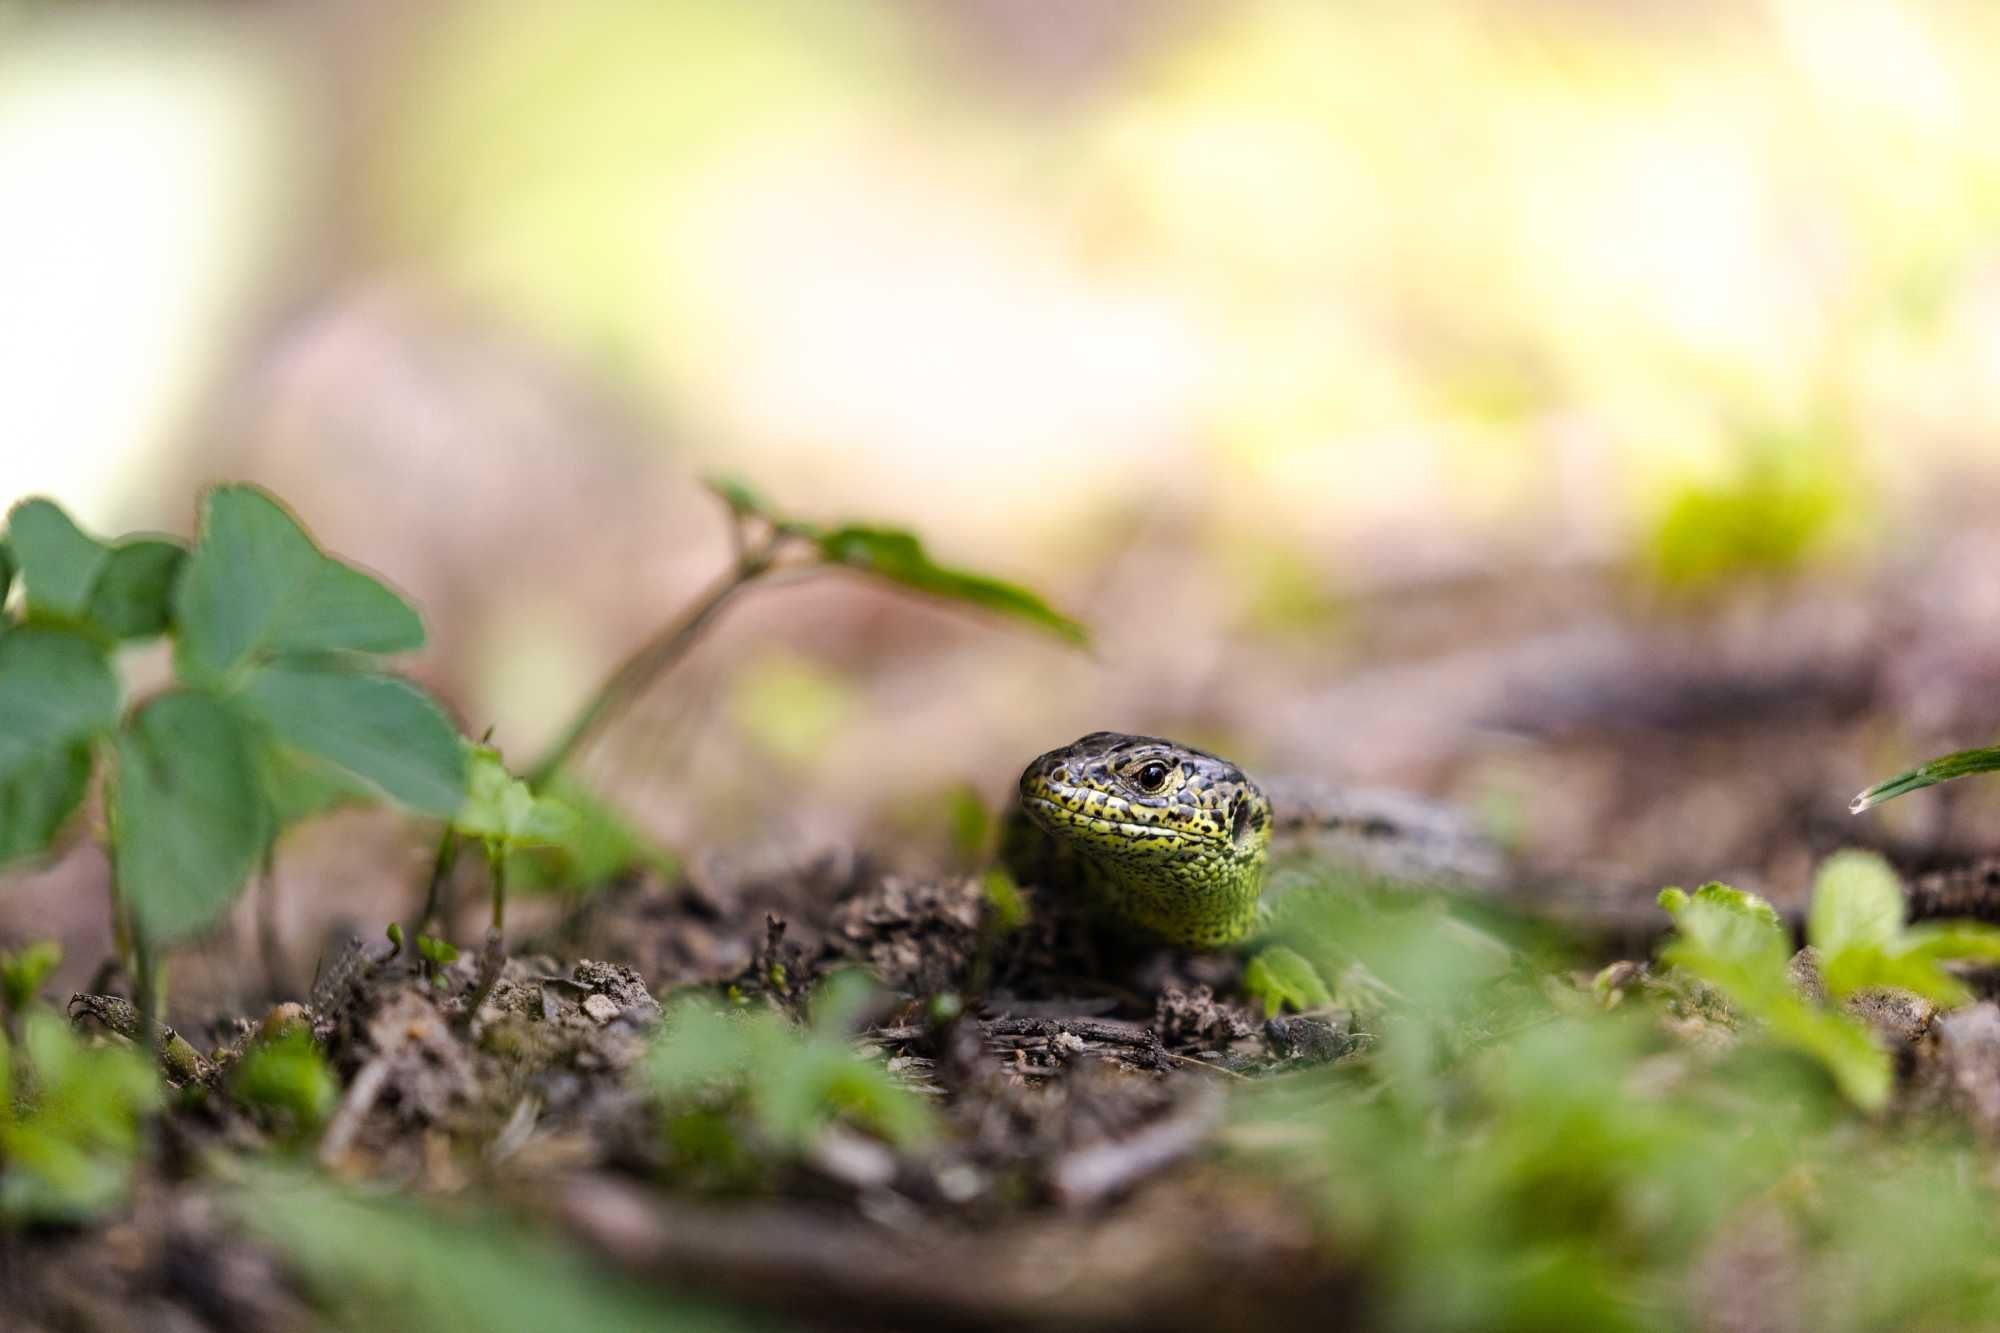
(1061, 775)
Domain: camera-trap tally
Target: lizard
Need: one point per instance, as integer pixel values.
(1178, 843)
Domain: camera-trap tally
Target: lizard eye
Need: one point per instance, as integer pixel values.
(1152, 777)
(1240, 820)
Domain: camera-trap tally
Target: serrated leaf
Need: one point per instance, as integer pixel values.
(900, 557)
(189, 818)
(1279, 976)
(56, 689)
(134, 594)
(256, 586)
(59, 561)
(1857, 902)
(376, 727)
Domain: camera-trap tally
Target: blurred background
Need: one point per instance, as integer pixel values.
(1582, 410)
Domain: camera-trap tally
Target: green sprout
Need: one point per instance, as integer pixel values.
(790, 1083)
(1736, 942)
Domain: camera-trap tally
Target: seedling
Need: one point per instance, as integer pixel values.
(286, 1076)
(1735, 942)
(791, 1083)
(22, 972)
(67, 1146)
(277, 710)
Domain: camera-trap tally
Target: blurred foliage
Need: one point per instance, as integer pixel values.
(788, 1084)
(1775, 512)
(599, 846)
(1278, 976)
(1506, 1151)
(1735, 941)
(286, 1075)
(70, 1118)
(22, 972)
(390, 1265)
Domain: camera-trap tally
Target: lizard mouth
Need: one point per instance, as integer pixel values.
(1058, 816)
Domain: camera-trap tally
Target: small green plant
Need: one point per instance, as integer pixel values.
(769, 545)
(1278, 976)
(286, 1076)
(790, 1083)
(23, 972)
(69, 1122)
(504, 815)
(1773, 515)
(277, 709)
(1735, 942)
(393, 1265)
(1504, 1151)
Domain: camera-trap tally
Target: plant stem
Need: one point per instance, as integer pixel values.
(652, 657)
(496, 860)
(441, 868)
(146, 982)
(267, 923)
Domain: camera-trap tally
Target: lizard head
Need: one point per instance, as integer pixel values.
(1175, 837)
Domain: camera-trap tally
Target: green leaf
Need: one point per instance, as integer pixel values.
(394, 1265)
(22, 972)
(1964, 763)
(839, 1000)
(57, 694)
(6, 570)
(60, 563)
(36, 802)
(743, 499)
(256, 587)
(287, 1074)
(299, 786)
(133, 597)
(189, 822)
(1856, 923)
(1278, 976)
(1857, 903)
(70, 1154)
(1736, 942)
(56, 690)
(899, 557)
(501, 809)
(376, 727)
(599, 847)
(439, 953)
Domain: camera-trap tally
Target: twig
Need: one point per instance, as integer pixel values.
(1094, 1173)
(354, 1108)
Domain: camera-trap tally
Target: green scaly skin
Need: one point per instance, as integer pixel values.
(1165, 837)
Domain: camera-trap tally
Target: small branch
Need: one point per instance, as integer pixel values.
(1094, 1173)
(654, 656)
